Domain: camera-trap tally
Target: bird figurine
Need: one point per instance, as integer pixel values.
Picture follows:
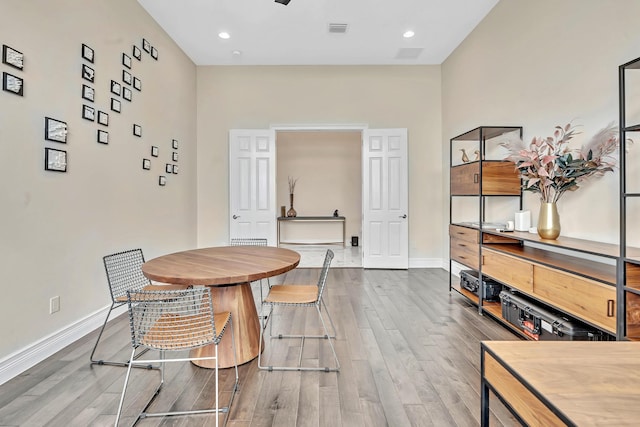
(477, 153)
(465, 158)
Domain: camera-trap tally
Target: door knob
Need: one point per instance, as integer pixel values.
(236, 216)
(403, 216)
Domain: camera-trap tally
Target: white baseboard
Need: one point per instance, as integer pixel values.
(18, 362)
(425, 263)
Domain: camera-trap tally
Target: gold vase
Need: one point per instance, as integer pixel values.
(291, 212)
(549, 221)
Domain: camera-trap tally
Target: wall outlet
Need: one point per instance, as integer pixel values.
(54, 305)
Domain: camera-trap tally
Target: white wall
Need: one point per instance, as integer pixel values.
(544, 63)
(56, 227)
(380, 96)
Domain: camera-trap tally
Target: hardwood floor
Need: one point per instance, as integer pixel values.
(409, 350)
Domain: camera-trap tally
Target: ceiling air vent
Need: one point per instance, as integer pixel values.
(409, 52)
(338, 28)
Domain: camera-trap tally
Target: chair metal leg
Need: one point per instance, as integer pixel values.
(108, 362)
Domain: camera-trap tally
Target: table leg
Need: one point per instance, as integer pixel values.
(237, 299)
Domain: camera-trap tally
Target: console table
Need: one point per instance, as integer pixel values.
(576, 383)
(329, 219)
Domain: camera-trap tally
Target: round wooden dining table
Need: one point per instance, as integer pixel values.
(228, 270)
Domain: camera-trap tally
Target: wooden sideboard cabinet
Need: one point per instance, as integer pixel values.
(499, 178)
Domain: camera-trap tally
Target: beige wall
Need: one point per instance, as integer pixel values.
(328, 166)
(56, 227)
(379, 96)
(540, 64)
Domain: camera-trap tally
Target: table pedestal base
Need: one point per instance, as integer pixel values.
(237, 299)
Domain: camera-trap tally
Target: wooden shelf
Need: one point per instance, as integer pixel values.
(495, 310)
(473, 298)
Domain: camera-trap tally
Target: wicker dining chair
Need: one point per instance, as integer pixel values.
(175, 321)
(124, 273)
(296, 296)
(253, 241)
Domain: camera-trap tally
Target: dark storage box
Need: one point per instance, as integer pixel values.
(469, 281)
(543, 324)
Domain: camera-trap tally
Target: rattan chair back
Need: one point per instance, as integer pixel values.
(124, 273)
(172, 320)
(248, 241)
(322, 280)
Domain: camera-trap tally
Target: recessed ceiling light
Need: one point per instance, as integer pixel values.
(223, 35)
(236, 53)
(408, 34)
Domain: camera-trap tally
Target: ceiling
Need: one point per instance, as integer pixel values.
(263, 32)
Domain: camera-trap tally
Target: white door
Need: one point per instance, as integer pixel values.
(385, 199)
(252, 184)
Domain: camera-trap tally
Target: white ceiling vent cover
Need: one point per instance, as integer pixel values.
(338, 28)
(409, 52)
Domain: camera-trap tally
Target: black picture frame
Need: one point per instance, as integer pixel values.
(154, 151)
(174, 156)
(87, 53)
(137, 130)
(115, 88)
(146, 164)
(115, 105)
(88, 93)
(126, 77)
(175, 169)
(136, 52)
(126, 60)
(126, 93)
(162, 181)
(12, 57)
(88, 113)
(102, 136)
(137, 84)
(12, 84)
(88, 73)
(154, 53)
(174, 144)
(103, 118)
(55, 160)
(146, 46)
(55, 130)
(168, 168)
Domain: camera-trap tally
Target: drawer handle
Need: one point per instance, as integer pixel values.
(462, 245)
(610, 308)
(475, 178)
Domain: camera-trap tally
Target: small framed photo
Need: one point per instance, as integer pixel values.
(154, 53)
(103, 137)
(103, 118)
(137, 84)
(126, 77)
(88, 73)
(137, 130)
(88, 113)
(115, 105)
(12, 57)
(174, 144)
(174, 156)
(175, 169)
(126, 93)
(55, 130)
(13, 84)
(55, 160)
(88, 93)
(126, 60)
(162, 181)
(146, 45)
(169, 168)
(136, 52)
(115, 87)
(87, 53)
(146, 164)
(154, 151)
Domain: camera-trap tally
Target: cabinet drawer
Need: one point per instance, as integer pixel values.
(508, 270)
(464, 252)
(588, 299)
(463, 233)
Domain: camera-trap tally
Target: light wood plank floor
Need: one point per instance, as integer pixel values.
(410, 355)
